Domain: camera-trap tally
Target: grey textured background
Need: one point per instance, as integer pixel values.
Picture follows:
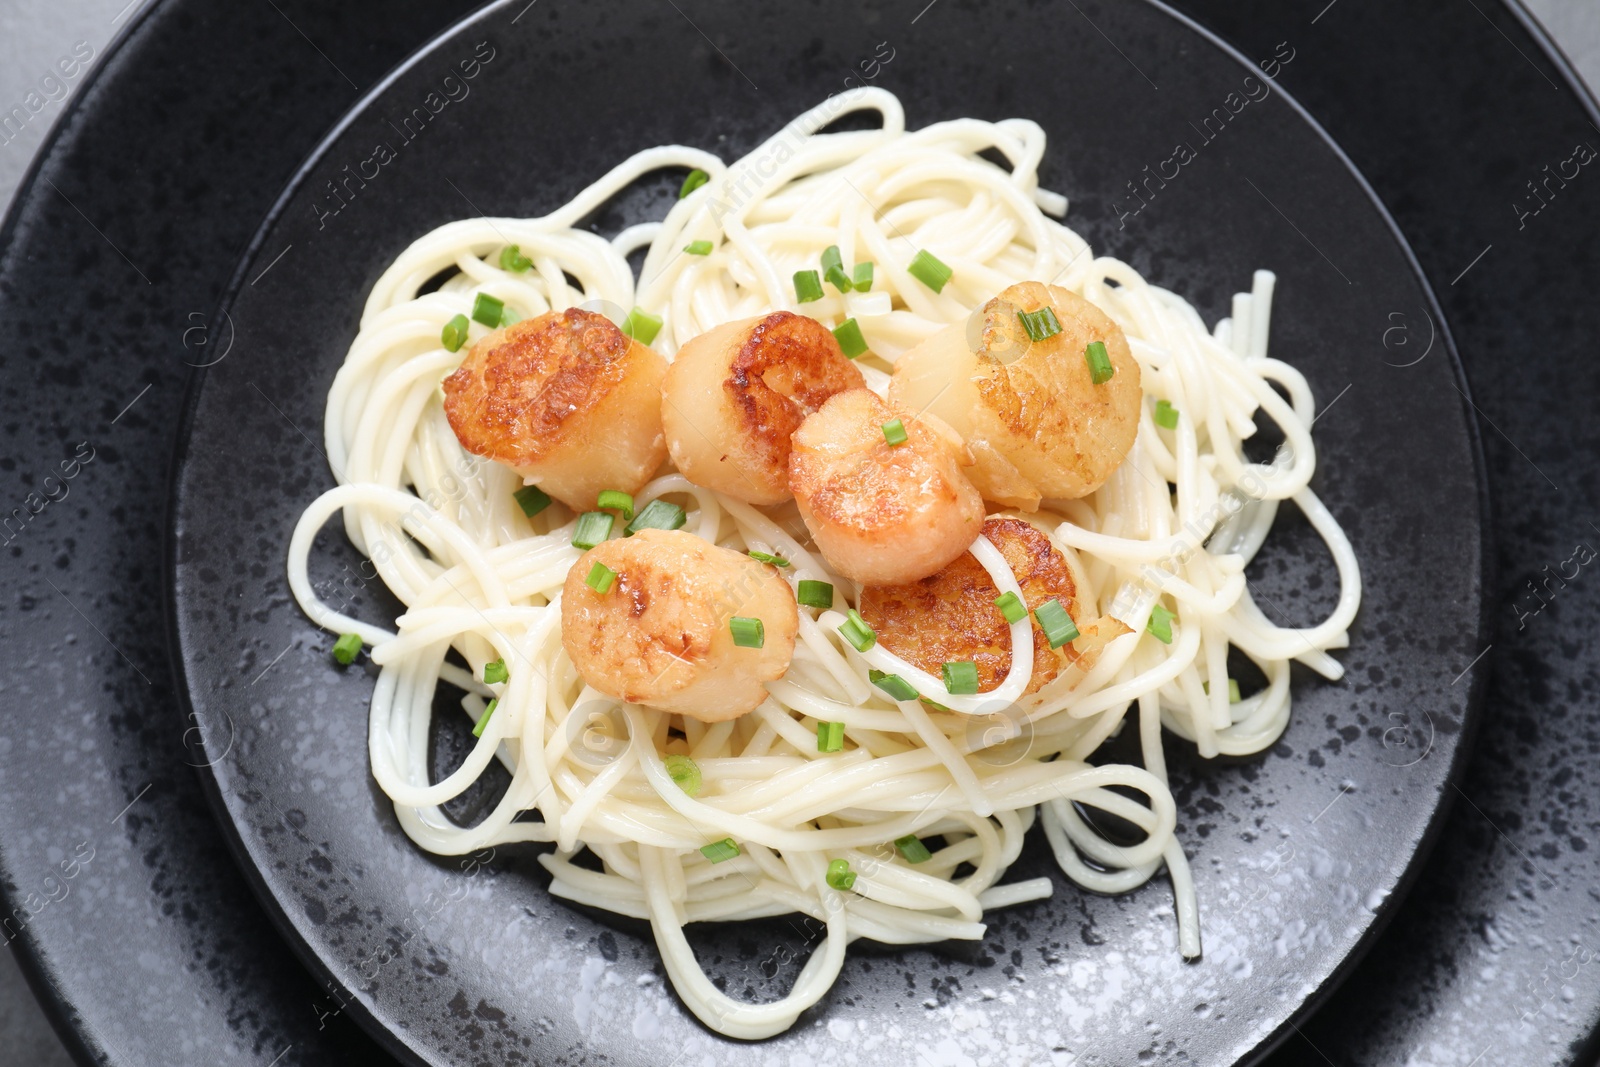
(34, 33)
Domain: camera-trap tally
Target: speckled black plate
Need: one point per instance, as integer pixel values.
(1295, 853)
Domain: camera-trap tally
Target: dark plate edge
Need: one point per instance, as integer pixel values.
(1472, 714)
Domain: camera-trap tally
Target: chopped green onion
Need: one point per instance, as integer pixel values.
(695, 180)
(1233, 690)
(718, 851)
(593, 527)
(1166, 415)
(839, 279)
(830, 736)
(512, 259)
(1057, 625)
(934, 704)
(768, 557)
(863, 277)
(347, 648)
(857, 632)
(495, 672)
(617, 499)
(1040, 324)
(807, 286)
(531, 499)
(454, 334)
(747, 633)
(600, 578)
(509, 317)
(483, 720)
(1011, 606)
(815, 594)
(912, 848)
(893, 684)
(851, 341)
(1100, 368)
(698, 248)
(961, 677)
(926, 268)
(831, 258)
(641, 325)
(894, 432)
(487, 310)
(658, 515)
(840, 876)
(684, 771)
(1160, 624)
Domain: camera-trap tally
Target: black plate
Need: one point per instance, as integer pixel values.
(1295, 853)
(169, 959)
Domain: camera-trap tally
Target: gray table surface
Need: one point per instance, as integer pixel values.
(34, 33)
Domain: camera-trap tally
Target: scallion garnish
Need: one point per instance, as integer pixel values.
(718, 851)
(830, 736)
(747, 633)
(641, 325)
(926, 268)
(1100, 368)
(840, 876)
(912, 848)
(483, 720)
(833, 270)
(509, 317)
(1057, 625)
(488, 310)
(531, 499)
(495, 672)
(454, 334)
(593, 527)
(698, 248)
(862, 276)
(768, 557)
(1040, 324)
(600, 578)
(695, 180)
(807, 286)
(1011, 606)
(658, 515)
(1166, 415)
(512, 259)
(815, 594)
(1160, 624)
(857, 632)
(851, 341)
(618, 500)
(347, 648)
(893, 684)
(894, 432)
(1233, 690)
(961, 677)
(686, 772)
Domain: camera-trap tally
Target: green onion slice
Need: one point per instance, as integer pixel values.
(894, 432)
(831, 258)
(531, 499)
(695, 180)
(686, 772)
(483, 720)
(600, 578)
(862, 276)
(1011, 606)
(1057, 625)
(807, 286)
(593, 527)
(718, 851)
(747, 633)
(927, 268)
(454, 334)
(851, 341)
(857, 632)
(912, 848)
(1233, 690)
(641, 325)
(1040, 324)
(840, 876)
(698, 248)
(346, 648)
(1100, 368)
(1160, 624)
(512, 259)
(830, 736)
(839, 279)
(815, 594)
(961, 677)
(495, 672)
(488, 310)
(768, 557)
(658, 515)
(893, 684)
(617, 499)
(1166, 415)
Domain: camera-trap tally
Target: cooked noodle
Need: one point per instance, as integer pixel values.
(476, 576)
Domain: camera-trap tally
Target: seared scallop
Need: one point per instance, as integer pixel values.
(664, 631)
(566, 399)
(736, 394)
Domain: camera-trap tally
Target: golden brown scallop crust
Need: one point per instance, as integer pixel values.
(785, 369)
(951, 615)
(514, 395)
